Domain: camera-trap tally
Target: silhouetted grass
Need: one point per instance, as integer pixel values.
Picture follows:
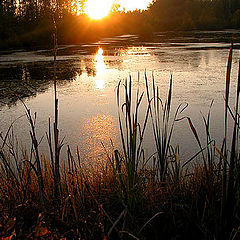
(127, 196)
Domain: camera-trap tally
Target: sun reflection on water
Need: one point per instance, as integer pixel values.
(102, 131)
(100, 69)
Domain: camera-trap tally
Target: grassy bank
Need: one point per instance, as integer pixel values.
(127, 196)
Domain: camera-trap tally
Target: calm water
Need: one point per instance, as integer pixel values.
(88, 76)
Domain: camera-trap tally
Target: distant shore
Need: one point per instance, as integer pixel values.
(32, 26)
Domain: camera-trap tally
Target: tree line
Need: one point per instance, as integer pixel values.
(29, 23)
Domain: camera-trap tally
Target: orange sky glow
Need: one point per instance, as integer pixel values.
(98, 9)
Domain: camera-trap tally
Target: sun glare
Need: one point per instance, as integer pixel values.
(98, 9)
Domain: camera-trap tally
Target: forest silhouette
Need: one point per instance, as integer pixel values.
(30, 23)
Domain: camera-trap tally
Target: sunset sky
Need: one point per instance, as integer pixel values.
(97, 9)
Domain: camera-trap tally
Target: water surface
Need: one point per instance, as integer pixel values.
(87, 76)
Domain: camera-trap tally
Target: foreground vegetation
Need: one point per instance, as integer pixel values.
(127, 196)
(30, 23)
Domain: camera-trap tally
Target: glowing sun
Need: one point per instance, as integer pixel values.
(98, 9)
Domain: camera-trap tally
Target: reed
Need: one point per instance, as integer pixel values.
(221, 168)
(131, 132)
(162, 126)
(230, 173)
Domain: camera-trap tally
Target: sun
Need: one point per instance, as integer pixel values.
(98, 9)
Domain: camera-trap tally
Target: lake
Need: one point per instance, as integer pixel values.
(87, 77)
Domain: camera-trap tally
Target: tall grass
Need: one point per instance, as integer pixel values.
(131, 132)
(231, 165)
(57, 144)
(162, 126)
